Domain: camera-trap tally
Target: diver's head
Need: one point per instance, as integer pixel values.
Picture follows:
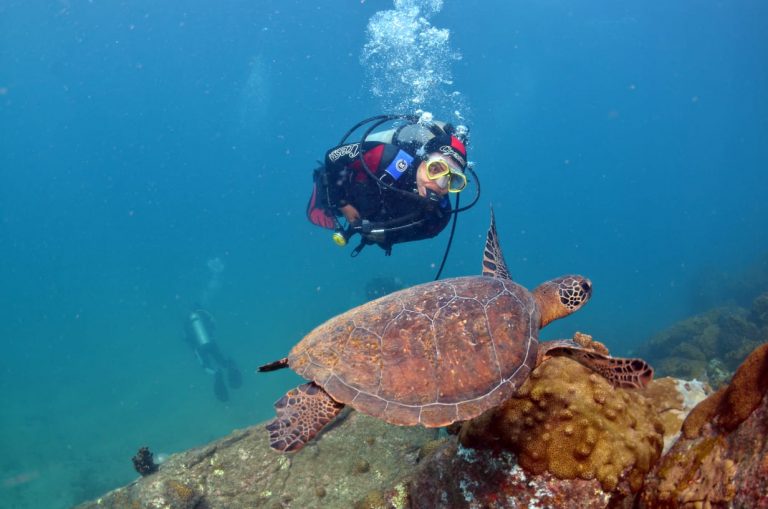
(440, 174)
(440, 154)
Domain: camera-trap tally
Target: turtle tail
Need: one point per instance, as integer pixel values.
(274, 366)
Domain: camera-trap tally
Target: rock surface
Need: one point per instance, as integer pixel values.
(358, 455)
(722, 458)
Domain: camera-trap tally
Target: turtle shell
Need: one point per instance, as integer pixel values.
(432, 354)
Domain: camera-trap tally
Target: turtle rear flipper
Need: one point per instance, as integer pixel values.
(301, 414)
(620, 372)
(493, 259)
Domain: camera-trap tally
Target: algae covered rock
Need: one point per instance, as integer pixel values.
(722, 458)
(708, 346)
(241, 471)
(570, 422)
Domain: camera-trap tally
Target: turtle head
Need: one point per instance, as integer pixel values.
(562, 296)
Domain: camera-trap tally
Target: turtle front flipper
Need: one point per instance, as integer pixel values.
(620, 372)
(301, 414)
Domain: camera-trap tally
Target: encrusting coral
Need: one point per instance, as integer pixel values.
(571, 422)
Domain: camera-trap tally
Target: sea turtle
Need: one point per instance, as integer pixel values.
(435, 353)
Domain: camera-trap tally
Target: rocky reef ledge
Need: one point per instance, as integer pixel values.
(359, 454)
(567, 440)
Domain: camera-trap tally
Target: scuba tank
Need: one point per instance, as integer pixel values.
(200, 328)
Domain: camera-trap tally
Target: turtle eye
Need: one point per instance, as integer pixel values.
(586, 285)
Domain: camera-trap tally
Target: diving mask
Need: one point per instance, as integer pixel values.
(440, 172)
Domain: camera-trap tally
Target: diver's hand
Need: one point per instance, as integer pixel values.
(350, 213)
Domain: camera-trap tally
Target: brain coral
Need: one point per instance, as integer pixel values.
(571, 422)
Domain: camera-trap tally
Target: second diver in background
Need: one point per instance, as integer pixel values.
(200, 334)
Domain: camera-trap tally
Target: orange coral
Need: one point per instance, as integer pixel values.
(702, 414)
(586, 341)
(749, 384)
(571, 422)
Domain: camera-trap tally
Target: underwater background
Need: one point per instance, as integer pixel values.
(155, 156)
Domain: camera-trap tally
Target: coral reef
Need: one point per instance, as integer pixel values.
(722, 458)
(711, 345)
(366, 463)
(580, 444)
(572, 423)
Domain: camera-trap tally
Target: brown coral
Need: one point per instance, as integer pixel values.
(731, 405)
(721, 459)
(572, 423)
(702, 414)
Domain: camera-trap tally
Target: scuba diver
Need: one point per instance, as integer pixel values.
(199, 333)
(393, 185)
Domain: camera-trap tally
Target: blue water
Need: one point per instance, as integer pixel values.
(139, 140)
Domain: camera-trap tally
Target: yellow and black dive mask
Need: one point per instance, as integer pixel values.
(439, 171)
